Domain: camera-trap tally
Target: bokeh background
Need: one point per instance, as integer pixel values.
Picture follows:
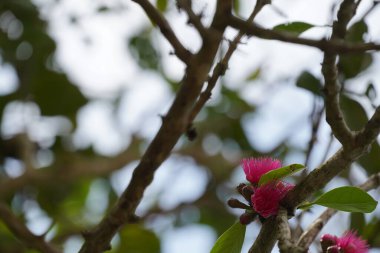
(83, 86)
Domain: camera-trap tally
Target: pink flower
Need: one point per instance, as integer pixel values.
(350, 242)
(266, 199)
(254, 168)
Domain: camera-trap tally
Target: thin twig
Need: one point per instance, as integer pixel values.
(69, 168)
(222, 66)
(19, 229)
(313, 230)
(315, 117)
(155, 16)
(335, 45)
(194, 19)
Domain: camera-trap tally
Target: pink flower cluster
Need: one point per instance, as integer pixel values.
(265, 199)
(350, 242)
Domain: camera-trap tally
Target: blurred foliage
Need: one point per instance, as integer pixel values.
(60, 189)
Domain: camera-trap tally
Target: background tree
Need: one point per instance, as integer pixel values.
(59, 186)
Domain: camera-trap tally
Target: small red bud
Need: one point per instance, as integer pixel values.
(333, 249)
(235, 203)
(247, 218)
(327, 240)
(247, 192)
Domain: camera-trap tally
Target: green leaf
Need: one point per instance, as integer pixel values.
(280, 173)
(347, 199)
(236, 7)
(136, 238)
(254, 75)
(143, 51)
(353, 112)
(309, 82)
(371, 162)
(351, 65)
(357, 222)
(294, 27)
(162, 5)
(305, 205)
(230, 241)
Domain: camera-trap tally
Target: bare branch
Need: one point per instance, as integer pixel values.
(313, 230)
(335, 45)
(284, 236)
(267, 237)
(222, 66)
(156, 17)
(334, 115)
(194, 19)
(19, 229)
(69, 167)
(173, 126)
(370, 131)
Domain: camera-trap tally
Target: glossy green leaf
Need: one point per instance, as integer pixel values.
(348, 199)
(280, 173)
(309, 82)
(230, 241)
(294, 27)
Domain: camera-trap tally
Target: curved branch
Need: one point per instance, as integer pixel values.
(221, 68)
(156, 17)
(334, 115)
(335, 45)
(19, 229)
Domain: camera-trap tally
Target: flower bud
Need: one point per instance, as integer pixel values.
(247, 218)
(235, 203)
(333, 249)
(240, 187)
(247, 192)
(327, 240)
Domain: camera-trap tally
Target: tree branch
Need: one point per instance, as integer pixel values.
(335, 45)
(370, 131)
(313, 230)
(267, 237)
(69, 167)
(334, 115)
(284, 235)
(194, 19)
(221, 68)
(157, 18)
(19, 229)
(173, 126)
